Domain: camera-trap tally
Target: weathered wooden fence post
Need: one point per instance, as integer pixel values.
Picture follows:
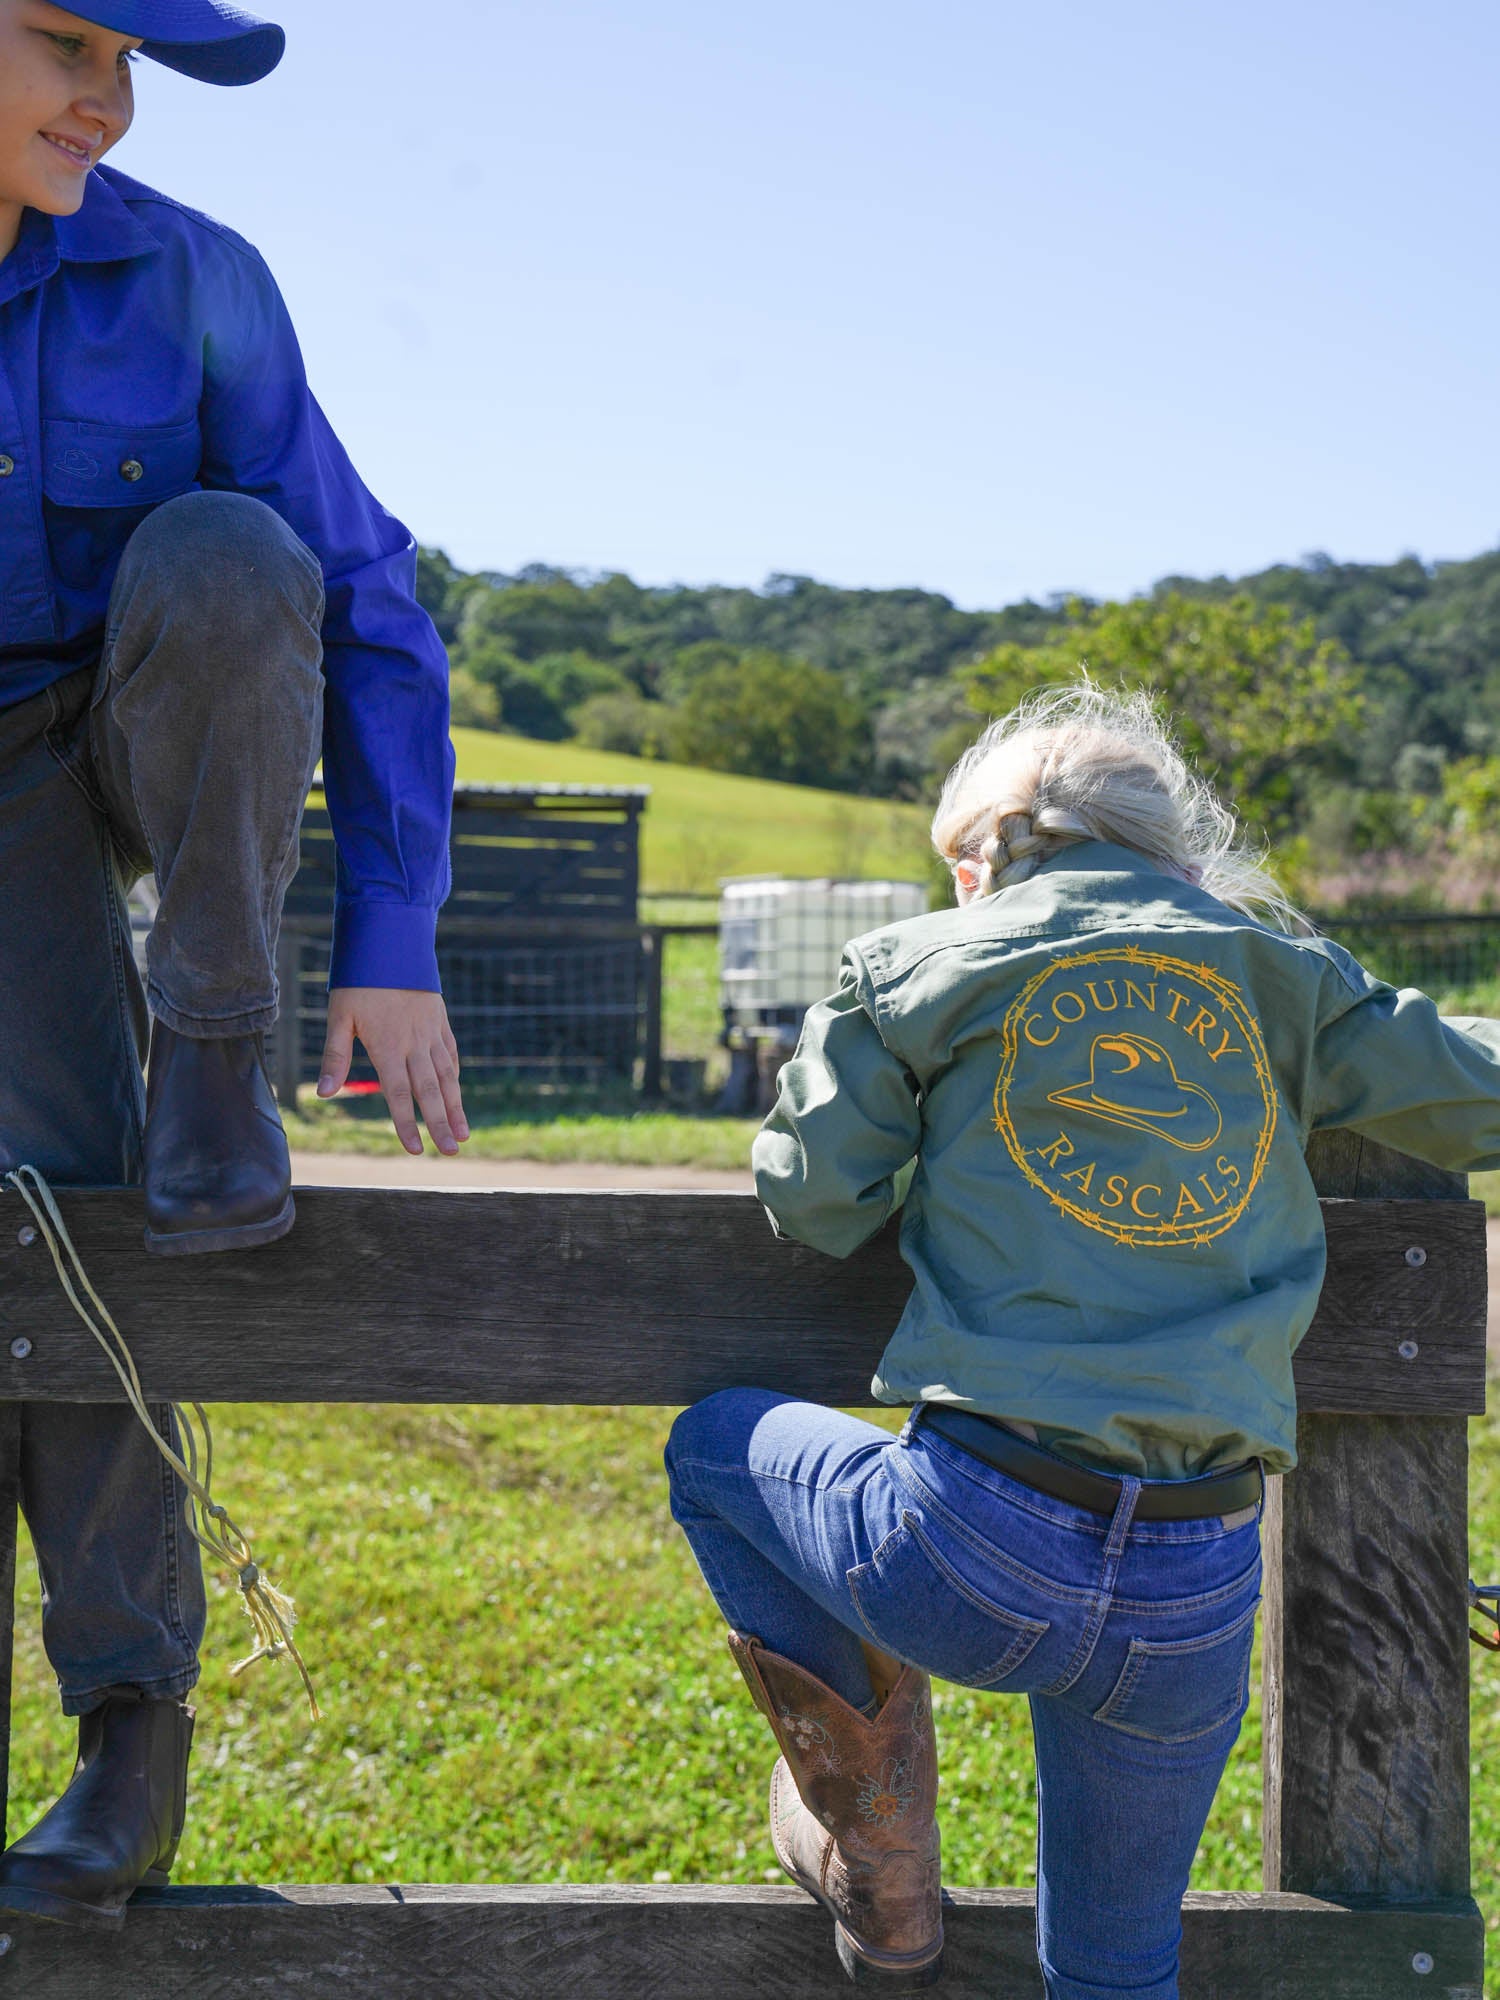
(1366, 1648)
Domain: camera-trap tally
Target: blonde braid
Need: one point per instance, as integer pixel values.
(1012, 852)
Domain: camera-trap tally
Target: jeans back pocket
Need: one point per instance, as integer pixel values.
(1171, 1690)
(914, 1604)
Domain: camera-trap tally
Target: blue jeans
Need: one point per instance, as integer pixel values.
(816, 1531)
(185, 750)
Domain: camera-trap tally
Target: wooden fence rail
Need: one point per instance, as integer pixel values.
(384, 1296)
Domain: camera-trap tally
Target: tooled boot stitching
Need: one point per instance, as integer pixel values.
(845, 1790)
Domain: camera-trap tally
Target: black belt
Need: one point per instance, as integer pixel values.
(1160, 1500)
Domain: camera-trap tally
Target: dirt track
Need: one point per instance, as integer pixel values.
(434, 1171)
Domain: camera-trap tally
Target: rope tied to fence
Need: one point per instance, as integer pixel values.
(271, 1612)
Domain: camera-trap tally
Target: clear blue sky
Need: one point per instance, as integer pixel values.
(992, 298)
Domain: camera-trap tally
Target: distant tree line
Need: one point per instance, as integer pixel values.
(1353, 709)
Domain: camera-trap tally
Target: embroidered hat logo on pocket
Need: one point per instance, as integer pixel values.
(1136, 1093)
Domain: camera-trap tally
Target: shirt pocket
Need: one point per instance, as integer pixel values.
(117, 465)
(916, 1606)
(100, 481)
(1171, 1690)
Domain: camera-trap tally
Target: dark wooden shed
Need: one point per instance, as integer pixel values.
(539, 948)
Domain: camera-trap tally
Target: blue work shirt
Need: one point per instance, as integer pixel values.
(145, 351)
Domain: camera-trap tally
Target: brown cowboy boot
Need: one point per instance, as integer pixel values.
(852, 1812)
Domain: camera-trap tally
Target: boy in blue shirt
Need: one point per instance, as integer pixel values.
(198, 597)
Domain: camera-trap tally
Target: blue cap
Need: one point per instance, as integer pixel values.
(207, 39)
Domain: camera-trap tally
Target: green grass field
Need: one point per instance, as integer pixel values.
(701, 825)
(523, 1678)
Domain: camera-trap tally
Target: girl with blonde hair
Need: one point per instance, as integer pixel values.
(1092, 1081)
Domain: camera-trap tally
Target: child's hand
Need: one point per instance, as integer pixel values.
(407, 1037)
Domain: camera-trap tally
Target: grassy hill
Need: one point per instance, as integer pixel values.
(701, 825)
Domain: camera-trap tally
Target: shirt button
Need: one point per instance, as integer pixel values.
(7, 466)
(132, 469)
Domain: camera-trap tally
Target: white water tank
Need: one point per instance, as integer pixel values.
(780, 939)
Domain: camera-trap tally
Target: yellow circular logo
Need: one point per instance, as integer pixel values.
(1136, 1093)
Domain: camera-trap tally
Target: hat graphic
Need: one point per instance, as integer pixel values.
(1132, 1082)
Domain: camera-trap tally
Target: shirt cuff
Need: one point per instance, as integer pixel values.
(385, 944)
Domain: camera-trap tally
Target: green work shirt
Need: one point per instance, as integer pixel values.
(1102, 1081)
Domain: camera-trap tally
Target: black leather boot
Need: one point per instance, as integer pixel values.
(218, 1173)
(117, 1825)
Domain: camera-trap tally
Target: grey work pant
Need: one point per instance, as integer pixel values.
(186, 752)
